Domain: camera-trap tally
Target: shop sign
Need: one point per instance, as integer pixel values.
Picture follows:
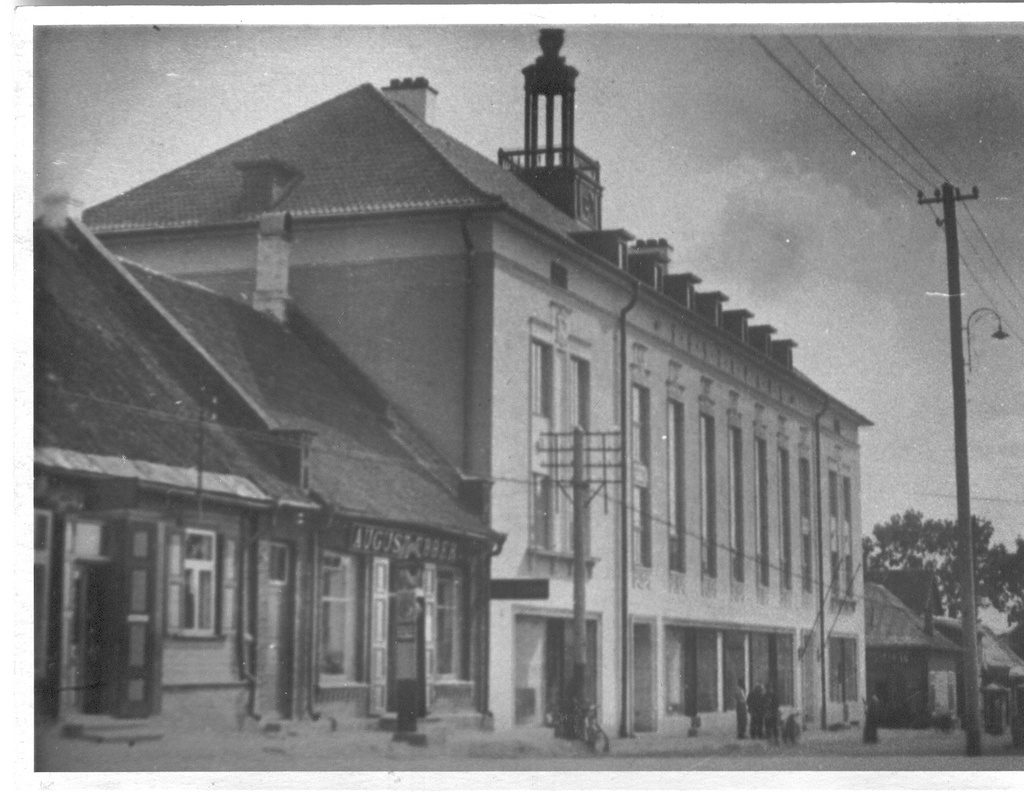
(399, 545)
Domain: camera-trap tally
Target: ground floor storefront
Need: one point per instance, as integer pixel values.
(683, 675)
(231, 612)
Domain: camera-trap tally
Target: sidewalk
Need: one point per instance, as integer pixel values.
(307, 746)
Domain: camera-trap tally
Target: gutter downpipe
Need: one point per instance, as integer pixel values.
(624, 728)
(821, 561)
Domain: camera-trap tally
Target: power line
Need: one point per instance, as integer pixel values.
(880, 109)
(999, 261)
(831, 114)
(853, 108)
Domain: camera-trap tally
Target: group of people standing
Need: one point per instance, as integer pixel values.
(762, 704)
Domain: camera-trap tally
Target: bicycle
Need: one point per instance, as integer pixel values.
(593, 735)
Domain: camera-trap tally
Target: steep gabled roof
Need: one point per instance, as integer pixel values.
(111, 382)
(357, 153)
(888, 622)
(357, 461)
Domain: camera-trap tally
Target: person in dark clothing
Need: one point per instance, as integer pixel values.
(871, 721)
(771, 715)
(741, 710)
(755, 706)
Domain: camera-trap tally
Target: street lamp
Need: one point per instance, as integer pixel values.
(998, 334)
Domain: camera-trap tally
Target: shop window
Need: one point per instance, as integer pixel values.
(199, 571)
(674, 668)
(842, 659)
(337, 618)
(449, 624)
(706, 647)
(733, 665)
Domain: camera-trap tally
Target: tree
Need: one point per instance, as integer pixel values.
(910, 541)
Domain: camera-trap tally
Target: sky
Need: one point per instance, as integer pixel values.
(702, 140)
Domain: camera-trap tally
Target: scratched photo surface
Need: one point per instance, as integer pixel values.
(520, 397)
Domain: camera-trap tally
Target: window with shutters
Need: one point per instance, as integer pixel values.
(337, 618)
(199, 588)
(449, 623)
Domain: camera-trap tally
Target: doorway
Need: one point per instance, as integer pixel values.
(90, 643)
(643, 678)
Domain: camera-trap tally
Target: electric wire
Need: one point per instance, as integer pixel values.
(755, 560)
(882, 111)
(856, 112)
(832, 114)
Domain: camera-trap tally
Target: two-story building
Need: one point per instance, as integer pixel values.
(494, 308)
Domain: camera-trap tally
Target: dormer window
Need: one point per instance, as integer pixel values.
(265, 183)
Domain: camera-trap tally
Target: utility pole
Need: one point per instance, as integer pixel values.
(948, 197)
(579, 586)
(573, 451)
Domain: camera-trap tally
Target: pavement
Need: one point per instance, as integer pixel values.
(309, 746)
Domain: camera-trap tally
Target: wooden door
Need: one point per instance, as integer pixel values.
(379, 599)
(137, 685)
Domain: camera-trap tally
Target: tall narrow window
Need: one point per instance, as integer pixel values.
(736, 501)
(842, 658)
(541, 378)
(676, 490)
(833, 526)
(543, 511)
(337, 618)
(806, 555)
(641, 413)
(848, 533)
(449, 623)
(199, 568)
(708, 533)
(761, 509)
(579, 388)
(642, 524)
(785, 520)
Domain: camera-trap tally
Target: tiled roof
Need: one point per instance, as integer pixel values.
(890, 623)
(357, 462)
(914, 587)
(111, 383)
(357, 153)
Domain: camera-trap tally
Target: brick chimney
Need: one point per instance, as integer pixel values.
(273, 250)
(415, 94)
